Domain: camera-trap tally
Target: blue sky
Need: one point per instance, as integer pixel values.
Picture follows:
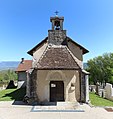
(24, 23)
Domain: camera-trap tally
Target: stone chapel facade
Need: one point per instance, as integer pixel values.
(57, 69)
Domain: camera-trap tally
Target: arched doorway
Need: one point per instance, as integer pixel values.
(56, 91)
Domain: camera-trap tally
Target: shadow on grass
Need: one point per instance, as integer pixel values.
(17, 95)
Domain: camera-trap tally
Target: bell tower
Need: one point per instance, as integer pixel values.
(57, 36)
(57, 23)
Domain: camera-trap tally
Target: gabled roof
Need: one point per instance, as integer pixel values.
(84, 49)
(57, 57)
(38, 45)
(24, 66)
(45, 40)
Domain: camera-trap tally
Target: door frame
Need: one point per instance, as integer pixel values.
(51, 88)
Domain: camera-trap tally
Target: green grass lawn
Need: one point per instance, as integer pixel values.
(12, 94)
(18, 94)
(98, 101)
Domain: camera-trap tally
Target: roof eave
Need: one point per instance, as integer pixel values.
(84, 49)
(20, 70)
(57, 68)
(30, 52)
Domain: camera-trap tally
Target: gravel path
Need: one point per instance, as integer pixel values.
(9, 111)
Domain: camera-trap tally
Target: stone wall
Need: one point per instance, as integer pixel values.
(38, 53)
(77, 52)
(83, 88)
(56, 37)
(31, 86)
(69, 77)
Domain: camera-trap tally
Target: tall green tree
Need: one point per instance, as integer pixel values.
(7, 75)
(101, 68)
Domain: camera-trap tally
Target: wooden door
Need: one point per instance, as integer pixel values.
(56, 91)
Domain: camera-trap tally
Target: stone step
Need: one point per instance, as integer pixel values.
(59, 104)
(67, 103)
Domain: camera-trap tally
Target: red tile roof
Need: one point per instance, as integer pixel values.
(26, 65)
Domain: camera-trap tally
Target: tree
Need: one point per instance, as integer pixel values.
(7, 75)
(101, 68)
(11, 75)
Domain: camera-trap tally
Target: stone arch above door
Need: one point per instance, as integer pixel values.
(55, 75)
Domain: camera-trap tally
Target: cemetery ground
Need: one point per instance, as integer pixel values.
(18, 94)
(12, 94)
(99, 101)
(9, 110)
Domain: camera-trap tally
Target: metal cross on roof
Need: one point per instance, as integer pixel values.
(56, 13)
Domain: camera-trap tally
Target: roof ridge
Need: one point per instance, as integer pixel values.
(27, 60)
(57, 52)
(35, 47)
(75, 59)
(27, 64)
(47, 47)
(84, 49)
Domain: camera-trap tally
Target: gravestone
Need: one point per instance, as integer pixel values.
(97, 88)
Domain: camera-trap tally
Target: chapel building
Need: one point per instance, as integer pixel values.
(57, 72)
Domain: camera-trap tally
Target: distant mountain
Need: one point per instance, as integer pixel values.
(4, 65)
